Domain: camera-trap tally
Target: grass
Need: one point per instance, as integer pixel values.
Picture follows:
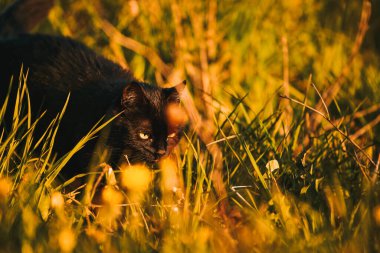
(323, 197)
(298, 174)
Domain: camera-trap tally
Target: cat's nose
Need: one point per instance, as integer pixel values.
(160, 153)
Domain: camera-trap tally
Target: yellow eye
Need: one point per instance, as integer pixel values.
(171, 135)
(144, 136)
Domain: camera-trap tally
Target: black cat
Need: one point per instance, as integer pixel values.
(58, 66)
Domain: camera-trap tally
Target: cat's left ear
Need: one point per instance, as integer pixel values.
(133, 95)
(174, 93)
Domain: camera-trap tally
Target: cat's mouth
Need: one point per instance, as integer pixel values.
(159, 159)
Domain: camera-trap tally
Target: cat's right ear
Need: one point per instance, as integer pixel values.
(132, 95)
(180, 87)
(174, 93)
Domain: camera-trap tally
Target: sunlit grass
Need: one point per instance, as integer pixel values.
(318, 199)
(291, 185)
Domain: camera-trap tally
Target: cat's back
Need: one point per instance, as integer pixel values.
(36, 50)
(58, 66)
(61, 61)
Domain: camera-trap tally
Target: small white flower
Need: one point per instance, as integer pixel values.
(272, 165)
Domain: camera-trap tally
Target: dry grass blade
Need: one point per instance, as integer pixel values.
(365, 112)
(147, 52)
(222, 139)
(376, 171)
(5, 102)
(321, 100)
(365, 128)
(356, 115)
(336, 128)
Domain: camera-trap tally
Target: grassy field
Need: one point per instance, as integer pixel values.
(282, 148)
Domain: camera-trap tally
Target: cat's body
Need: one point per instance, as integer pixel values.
(98, 87)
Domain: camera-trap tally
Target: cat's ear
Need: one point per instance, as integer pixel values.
(132, 95)
(174, 94)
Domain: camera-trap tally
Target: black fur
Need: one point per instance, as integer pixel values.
(58, 66)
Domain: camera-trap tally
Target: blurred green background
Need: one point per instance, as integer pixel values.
(239, 41)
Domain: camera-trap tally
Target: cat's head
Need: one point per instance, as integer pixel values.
(144, 131)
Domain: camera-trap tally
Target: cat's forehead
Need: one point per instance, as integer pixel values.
(149, 101)
(144, 122)
(156, 99)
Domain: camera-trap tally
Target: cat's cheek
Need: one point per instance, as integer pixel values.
(172, 143)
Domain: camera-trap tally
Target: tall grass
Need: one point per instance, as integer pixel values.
(324, 198)
(298, 176)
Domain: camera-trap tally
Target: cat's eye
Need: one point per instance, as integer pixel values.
(172, 135)
(143, 136)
